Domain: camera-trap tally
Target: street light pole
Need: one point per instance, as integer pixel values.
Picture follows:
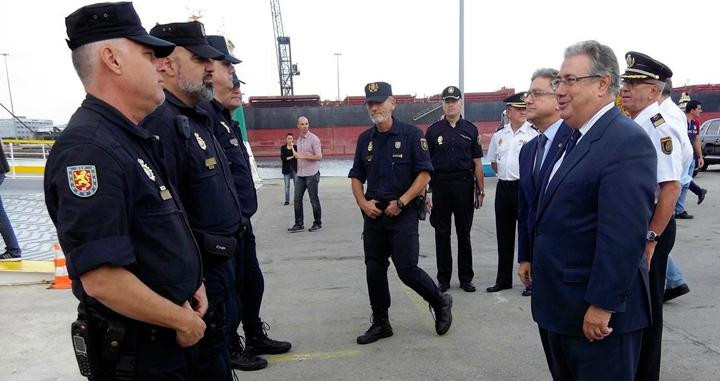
(7, 74)
(337, 63)
(461, 52)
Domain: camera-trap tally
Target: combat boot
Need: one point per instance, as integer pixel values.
(443, 314)
(242, 359)
(379, 329)
(259, 343)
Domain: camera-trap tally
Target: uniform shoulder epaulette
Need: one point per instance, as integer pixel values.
(657, 120)
(534, 127)
(499, 128)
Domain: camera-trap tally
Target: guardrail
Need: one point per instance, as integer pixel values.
(19, 149)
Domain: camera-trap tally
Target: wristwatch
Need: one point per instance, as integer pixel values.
(652, 236)
(400, 204)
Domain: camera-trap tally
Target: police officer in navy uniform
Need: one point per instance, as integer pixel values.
(643, 82)
(456, 153)
(131, 255)
(199, 169)
(250, 281)
(393, 158)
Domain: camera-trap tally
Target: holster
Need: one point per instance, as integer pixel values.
(115, 341)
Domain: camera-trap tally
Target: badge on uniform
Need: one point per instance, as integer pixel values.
(200, 141)
(146, 168)
(397, 145)
(500, 142)
(226, 127)
(370, 147)
(666, 144)
(83, 180)
(440, 140)
(210, 162)
(165, 193)
(234, 142)
(657, 120)
(423, 144)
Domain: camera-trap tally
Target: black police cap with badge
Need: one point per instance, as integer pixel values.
(190, 35)
(105, 21)
(377, 92)
(516, 100)
(451, 92)
(641, 66)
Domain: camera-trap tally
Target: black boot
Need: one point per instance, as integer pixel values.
(379, 329)
(443, 314)
(259, 343)
(243, 359)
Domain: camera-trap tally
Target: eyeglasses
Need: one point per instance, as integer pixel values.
(569, 80)
(535, 93)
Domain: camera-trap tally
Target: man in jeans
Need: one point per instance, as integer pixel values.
(12, 248)
(308, 155)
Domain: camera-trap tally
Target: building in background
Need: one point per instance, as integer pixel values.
(11, 128)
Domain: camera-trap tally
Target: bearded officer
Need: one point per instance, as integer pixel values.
(392, 157)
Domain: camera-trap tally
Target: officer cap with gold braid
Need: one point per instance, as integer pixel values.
(641, 66)
(516, 100)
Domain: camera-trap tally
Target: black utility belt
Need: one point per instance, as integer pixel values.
(467, 174)
(508, 183)
(214, 246)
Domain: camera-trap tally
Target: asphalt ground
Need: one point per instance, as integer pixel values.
(316, 297)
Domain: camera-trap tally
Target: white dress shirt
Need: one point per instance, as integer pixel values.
(669, 164)
(678, 121)
(505, 148)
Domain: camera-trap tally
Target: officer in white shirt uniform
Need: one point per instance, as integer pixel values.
(643, 82)
(504, 154)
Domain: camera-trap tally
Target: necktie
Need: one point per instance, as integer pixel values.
(542, 140)
(573, 140)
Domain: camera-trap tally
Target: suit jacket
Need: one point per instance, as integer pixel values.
(527, 192)
(592, 220)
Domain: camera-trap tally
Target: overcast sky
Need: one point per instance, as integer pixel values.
(412, 44)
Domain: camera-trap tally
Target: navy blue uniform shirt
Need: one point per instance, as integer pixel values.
(453, 149)
(390, 161)
(198, 167)
(108, 196)
(227, 132)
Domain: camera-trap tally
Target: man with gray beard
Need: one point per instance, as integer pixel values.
(199, 170)
(393, 158)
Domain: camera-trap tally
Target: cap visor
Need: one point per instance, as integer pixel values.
(232, 59)
(376, 98)
(205, 51)
(456, 97)
(162, 48)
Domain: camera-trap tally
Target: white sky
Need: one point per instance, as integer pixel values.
(412, 44)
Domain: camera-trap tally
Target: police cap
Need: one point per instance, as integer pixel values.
(516, 100)
(377, 92)
(451, 92)
(219, 43)
(642, 66)
(190, 35)
(105, 21)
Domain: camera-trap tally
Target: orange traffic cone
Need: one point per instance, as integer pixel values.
(62, 280)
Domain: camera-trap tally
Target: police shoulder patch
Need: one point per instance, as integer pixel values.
(666, 145)
(657, 120)
(423, 144)
(83, 180)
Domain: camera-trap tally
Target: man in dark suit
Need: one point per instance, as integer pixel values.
(590, 286)
(536, 157)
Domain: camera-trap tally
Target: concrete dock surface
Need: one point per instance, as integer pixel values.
(316, 297)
